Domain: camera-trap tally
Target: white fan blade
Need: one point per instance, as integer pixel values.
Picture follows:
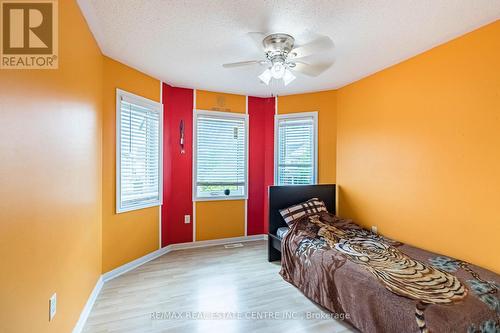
(319, 45)
(310, 70)
(244, 63)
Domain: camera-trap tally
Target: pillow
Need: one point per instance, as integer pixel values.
(295, 212)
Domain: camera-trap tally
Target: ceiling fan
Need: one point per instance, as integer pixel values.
(282, 57)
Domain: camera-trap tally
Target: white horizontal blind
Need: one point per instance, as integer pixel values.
(139, 159)
(220, 155)
(296, 163)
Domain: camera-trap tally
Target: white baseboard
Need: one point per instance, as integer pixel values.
(134, 264)
(148, 257)
(88, 306)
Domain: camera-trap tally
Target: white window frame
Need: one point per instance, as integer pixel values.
(155, 106)
(277, 118)
(218, 114)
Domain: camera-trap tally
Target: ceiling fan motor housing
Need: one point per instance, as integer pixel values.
(277, 47)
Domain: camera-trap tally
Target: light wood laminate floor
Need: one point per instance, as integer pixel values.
(173, 292)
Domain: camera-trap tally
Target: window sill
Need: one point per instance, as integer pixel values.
(130, 209)
(242, 197)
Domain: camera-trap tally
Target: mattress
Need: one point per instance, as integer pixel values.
(281, 232)
(381, 285)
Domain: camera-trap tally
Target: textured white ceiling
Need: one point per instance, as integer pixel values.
(185, 42)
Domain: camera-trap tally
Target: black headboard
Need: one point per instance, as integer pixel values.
(285, 196)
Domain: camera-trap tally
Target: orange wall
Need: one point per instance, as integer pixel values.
(325, 104)
(50, 176)
(418, 149)
(130, 235)
(208, 100)
(220, 219)
(224, 218)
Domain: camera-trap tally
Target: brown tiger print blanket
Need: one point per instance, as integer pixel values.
(384, 286)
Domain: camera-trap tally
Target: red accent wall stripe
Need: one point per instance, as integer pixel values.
(177, 167)
(269, 107)
(261, 162)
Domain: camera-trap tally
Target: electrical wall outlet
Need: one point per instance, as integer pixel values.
(52, 306)
(374, 229)
(187, 219)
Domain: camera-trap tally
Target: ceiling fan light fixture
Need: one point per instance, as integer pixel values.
(288, 77)
(283, 58)
(278, 70)
(266, 76)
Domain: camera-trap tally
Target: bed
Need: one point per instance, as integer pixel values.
(375, 283)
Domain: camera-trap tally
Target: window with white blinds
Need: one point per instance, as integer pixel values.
(221, 140)
(296, 148)
(139, 125)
